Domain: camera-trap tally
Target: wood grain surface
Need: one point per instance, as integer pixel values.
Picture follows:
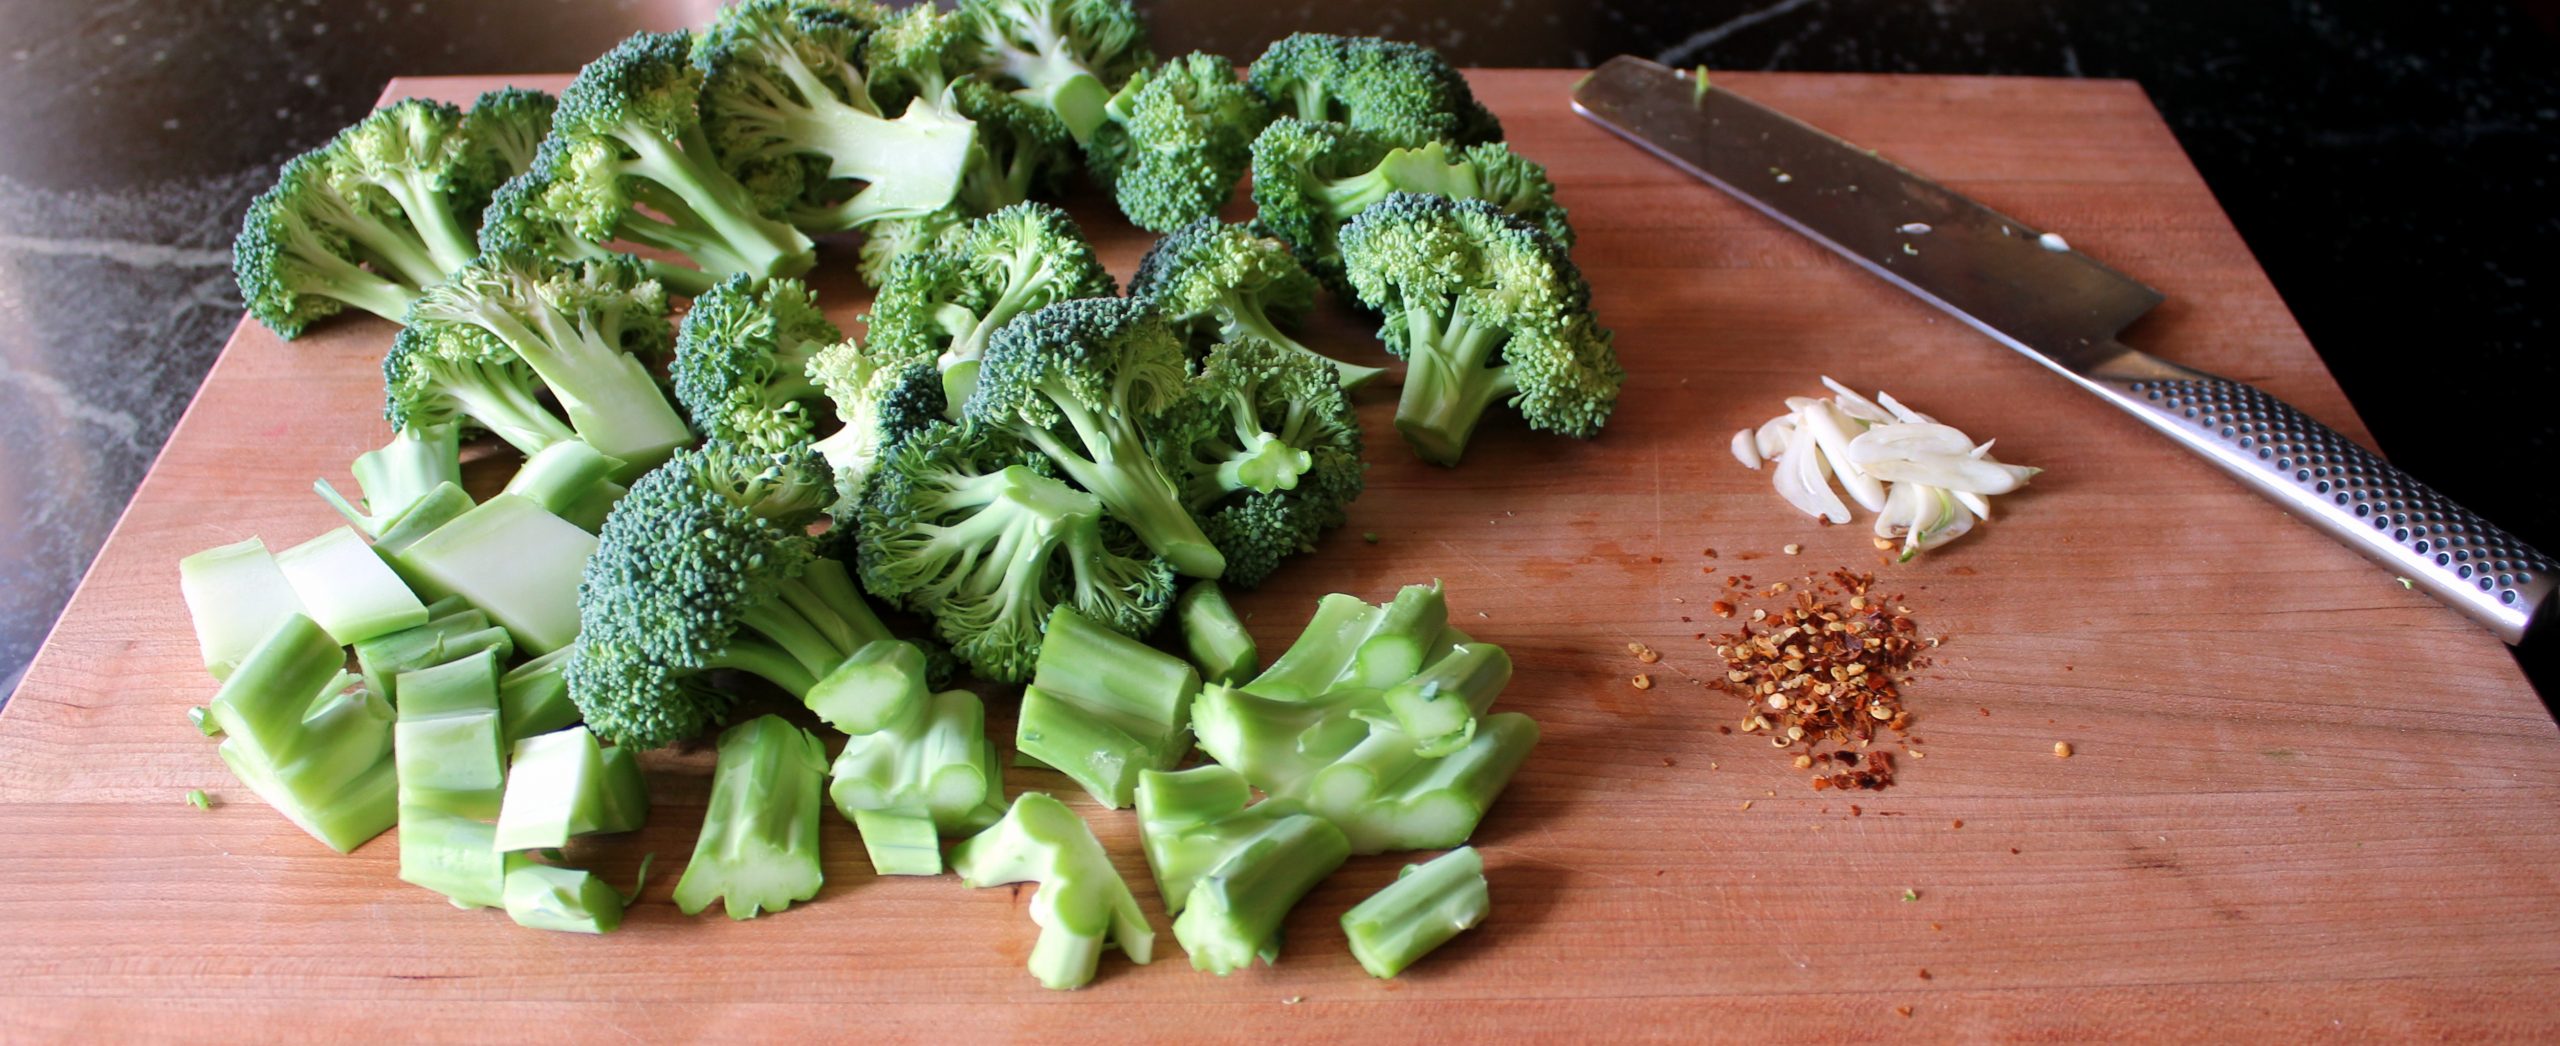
(2302, 801)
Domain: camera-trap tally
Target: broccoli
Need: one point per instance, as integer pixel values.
(453, 631)
(759, 846)
(1213, 636)
(942, 307)
(879, 403)
(305, 251)
(511, 559)
(1020, 147)
(1230, 872)
(975, 531)
(786, 90)
(349, 590)
(543, 897)
(1088, 381)
(446, 746)
(1175, 139)
(236, 596)
(1101, 707)
(1309, 177)
(1405, 93)
(408, 165)
(1483, 307)
(521, 221)
(316, 751)
(1428, 904)
(1266, 454)
(586, 329)
(503, 129)
(916, 768)
(1221, 282)
(1083, 905)
(1066, 56)
(562, 785)
(442, 376)
(707, 564)
(631, 136)
(399, 474)
(571, 480)
(742, 363)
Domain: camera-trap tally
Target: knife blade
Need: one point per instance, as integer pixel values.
(2032, 291)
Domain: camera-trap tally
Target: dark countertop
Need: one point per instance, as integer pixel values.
(2391, 162)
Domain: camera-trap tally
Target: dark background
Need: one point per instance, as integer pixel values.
(2390, 161)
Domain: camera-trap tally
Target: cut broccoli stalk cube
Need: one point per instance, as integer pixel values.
(547, 898)
(1230, 872)
(534, 698)
(452, 632)
(1102, 706)
(1438, 707)
(1428, 904)
(929, 769)
(318, 753)
(1407, 629)
(571, 479)
(880, 680)
(1384, 796)
(453, 855)
(1213, 636)
(237, 597)
(438, 507)
(564, 784)
(513, 560)
(1082, 743)
(623, 797)
(759, 846)
(202, 719)
(348, 589)
(1083, 905)
(394, 477)
(446, 743)
(1322, 655)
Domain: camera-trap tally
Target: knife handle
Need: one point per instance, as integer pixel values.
(2340, 487)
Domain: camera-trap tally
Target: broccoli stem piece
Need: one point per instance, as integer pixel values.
(534, 698)
(445, 745)
(1350, 643)
(715, 200)
(571, 479)
(318, 753)
(1102, 707)
(513, 560)
(396, 476)
(237, 597)
(453, 631)
(1083, 904)
(1428, 904)
(543, 897)
(759, 846)
(563, 784)
(1228, 871)
(1448, 384)
(1213, 636)
(442, 505)
(1437, 707)
(1384, 795)
(348, 589)
(453, 855)
(1405, 634)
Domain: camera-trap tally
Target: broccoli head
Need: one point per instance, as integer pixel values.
(1483, 307)
(742, 362)
(1404, 93)
(1174, 141)
(305, 251)
(942, 307)
(408, 166)
(446, 375)
(878, 401)
(503, 130)
(1267, 454)
(1221, 282)
(1065, 56)
(1309, 177)
(1088, 381)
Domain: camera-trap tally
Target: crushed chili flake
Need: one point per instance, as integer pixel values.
(1641, 682)
(1822, 673)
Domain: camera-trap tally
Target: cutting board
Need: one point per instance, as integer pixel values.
(2300, 799)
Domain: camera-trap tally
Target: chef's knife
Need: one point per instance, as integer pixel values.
(2034, 293)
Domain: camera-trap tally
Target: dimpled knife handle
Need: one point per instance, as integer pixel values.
(2360, 499)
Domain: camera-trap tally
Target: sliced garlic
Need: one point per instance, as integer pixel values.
(1746, 449)
(1927, 483)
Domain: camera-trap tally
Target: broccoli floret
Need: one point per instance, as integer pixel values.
(631, 136)
(943, 307)
(973, 530)
(316, 751)
(742, 363)
(1428, 904)
(1021, 149)
(408, 165)
(1405, 93)
(759, 846)
(1230, 872)
(304, 252)
(442, 376)
(1082, 906)
(1221, 282)
(1266, 454)
(521, 222)
(398, 474)
(587, 329)
(1088, 381)
(1104, 706)
(1483, 307)
(1066, 56)
(879, 402)
(786, 83)
(707, 564)
(1309, 177)
(924, 768)
(504, 128)
(1175, 139)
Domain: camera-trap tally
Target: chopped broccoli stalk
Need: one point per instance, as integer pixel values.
(1066, 56)
(453, 632)
(1428, 904)
(742, 363)
(1437, 706)
(944, 306)
(881, 676)
(543, 897)
(759, 846)
(1407, 632)
(1350, 643)
(453, 855)
(512, 560)
(442, 505)
(899, 844)
(317, 752)
(397, 476)
(236, 596)
(1103, 707)
(1347, 760)
(1213, 635)
(1083, 905)
(1309, 177)
(1230, 872)
(534, 698)
(1174, 141)
(1085, 381)
(202, 719)
(570, 479)
(561, 785)
(445, 745)
(348, 589)
(1220, 282)
(1404, 93)
(1484, 308)
(1267, 453)
(196, 798)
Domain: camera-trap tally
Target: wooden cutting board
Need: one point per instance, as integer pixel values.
(2301, 798)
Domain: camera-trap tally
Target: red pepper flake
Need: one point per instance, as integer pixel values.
(1821, 673)
(1924, 973)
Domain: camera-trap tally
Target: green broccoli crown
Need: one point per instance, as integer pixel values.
(975, 530)
(1023, 148)
(446, 374)
(645, 87)
(1266, 451)
(504, 128)
(298, 258)
(765, 60)
(942, 307)
(1518, 186)
(409, 143)
(742, 362)
(1064, 56)
(879, 400)
(917, 55)
(1405, 93)
(1484, 307)
(1176, 141)
(1309, 177)
(1213, 279)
